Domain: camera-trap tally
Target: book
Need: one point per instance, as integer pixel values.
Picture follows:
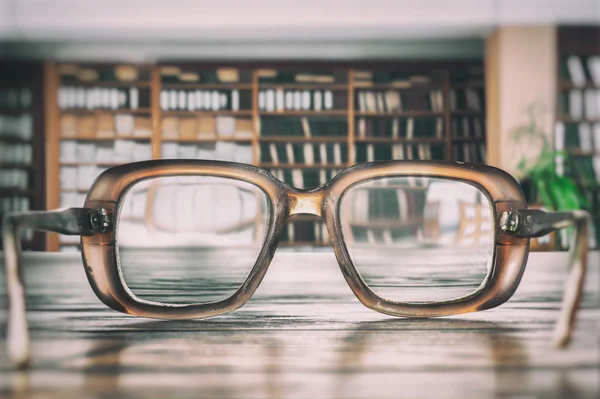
(297, 178)
(289, 100)
(596, 139)
(328, 99)
(105, 126)
(323, 153)
(370, 153)
(243, 128)
(380, 103)
(181, 100)
(337, 154)
(592, 106)
(309, 154)
(305, 127)
(398, 151)
(297, 100)
(585, 137)
(170, 128)
(559, 136)
(228, 75)
(86, 126)
(593, 63)
(306, 100)
(395, 128)
(410, 124)
(289, 149)
(575, 104)
(206, 127)
(225, 126)
(187, 128)
(191, 101)
(576, 71)
(317, 100)
(124, 124)
(189, 77)
(273, 153)
(279, 100)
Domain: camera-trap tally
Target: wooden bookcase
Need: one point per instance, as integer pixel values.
(303, 122)
(22, 184)
(577, 130)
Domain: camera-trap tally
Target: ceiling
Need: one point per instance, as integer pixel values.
(151, 29)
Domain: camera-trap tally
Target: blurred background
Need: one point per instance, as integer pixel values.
(302, 90)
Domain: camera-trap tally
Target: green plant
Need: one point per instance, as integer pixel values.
(554, 191)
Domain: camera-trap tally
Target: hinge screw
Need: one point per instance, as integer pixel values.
(509, 222)
(100, 221)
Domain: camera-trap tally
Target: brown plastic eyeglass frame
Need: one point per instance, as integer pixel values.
(97, 224)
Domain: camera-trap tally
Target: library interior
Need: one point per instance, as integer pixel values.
(221, 135)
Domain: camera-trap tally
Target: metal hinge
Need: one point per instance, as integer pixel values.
(510, 222)
(100, 221)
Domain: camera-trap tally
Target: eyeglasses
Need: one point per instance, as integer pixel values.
(412, 238)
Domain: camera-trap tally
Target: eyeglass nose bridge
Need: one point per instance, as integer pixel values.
(306, 203)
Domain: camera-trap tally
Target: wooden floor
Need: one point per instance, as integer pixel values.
(304, 335)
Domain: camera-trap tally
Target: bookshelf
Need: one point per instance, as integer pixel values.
(577, 128)
(99, 115)
(303, 122)
(22, 143)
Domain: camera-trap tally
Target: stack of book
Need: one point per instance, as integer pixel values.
(383, 152)
(390, 101)
(280, 100)
(293, 127)
(304, 154)
(206, 127)
(401, 217)
(105, 125)
(400, 128)
(206, 100)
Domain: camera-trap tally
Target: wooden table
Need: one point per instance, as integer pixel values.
(304, 335)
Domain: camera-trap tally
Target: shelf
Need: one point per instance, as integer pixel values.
(388, 224)
(467, 85)
(580, 153)
(466, 112)
(468, 139)
(243, 112)
(101, 139)
(106, 84)
(206, 86)
(302, 86)
(15, 112)
(101, 164)
(207, 140)
(359, 86)
(12, 165)
(16, 191)
(106, 111)
(330, 112)
(15, 140)
(398, 114)
(572, 86)
(422, 140)
(568, 119)
(300, 139)
(301, 166)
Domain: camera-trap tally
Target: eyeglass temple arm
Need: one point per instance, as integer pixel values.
(532, 223)
(72, 221)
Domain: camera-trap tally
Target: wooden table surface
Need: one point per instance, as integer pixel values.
(304, 335)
